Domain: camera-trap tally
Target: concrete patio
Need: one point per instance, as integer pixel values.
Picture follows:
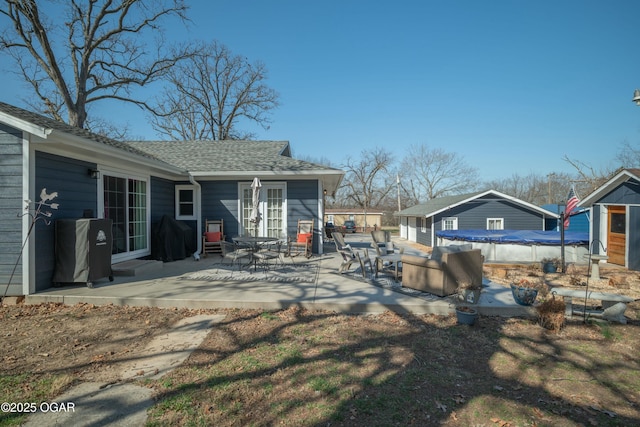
(172, 285)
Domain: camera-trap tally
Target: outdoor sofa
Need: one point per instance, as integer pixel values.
(447, 268)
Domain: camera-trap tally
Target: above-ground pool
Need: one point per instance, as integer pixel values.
(520, 245)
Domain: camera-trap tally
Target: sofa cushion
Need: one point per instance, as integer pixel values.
(421, 261)
(436, 253)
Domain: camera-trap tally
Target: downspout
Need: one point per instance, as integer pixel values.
(195, 183)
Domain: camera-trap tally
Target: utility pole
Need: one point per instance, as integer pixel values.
(398, 185)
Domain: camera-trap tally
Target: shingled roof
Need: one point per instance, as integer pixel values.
(54, 125)
(203, 157)
(437, 205)
(199, 157)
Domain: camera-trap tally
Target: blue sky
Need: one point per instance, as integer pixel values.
(511, 86)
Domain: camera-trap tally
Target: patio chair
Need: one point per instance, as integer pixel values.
(213, 237)
(364, 261)
(382, 239)
(304, 239)
(270, 255)
(234, 252)
(345, 251)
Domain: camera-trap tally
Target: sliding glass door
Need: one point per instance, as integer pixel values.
(125, 203)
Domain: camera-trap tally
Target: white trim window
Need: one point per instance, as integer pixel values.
(495, 223)
(450, 223)
(423, 225)
(186, 203)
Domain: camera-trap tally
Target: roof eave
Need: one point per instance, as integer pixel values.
(80, 143)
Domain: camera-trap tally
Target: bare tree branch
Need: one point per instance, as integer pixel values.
(368, 180)
(104, 55)
(431, 173)
(211, 93)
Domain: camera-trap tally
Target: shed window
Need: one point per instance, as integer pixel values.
(450, 223)
(495, 223)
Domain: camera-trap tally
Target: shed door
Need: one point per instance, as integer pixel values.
(617, 235)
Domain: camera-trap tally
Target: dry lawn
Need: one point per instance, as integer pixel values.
(300, 368)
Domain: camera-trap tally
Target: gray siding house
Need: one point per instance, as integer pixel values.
(615, 219)
(484, 210)
(135, 184)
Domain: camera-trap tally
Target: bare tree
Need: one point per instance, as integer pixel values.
(588, 176)
(368, 180)
(104, 54)
(209, 95)
(533, 188)
(628, 156)
(431, 173)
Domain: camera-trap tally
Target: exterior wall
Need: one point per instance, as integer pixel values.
(220, 201)
(163, 199)
(11, 206)
(163, 202)
(76, 193)
(302, 203)
(627, 193)
(594, 234)
(634, 238)
(424, 238)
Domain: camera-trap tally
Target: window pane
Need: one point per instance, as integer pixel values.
(186, 206)
(618, 223)
(115, 210)
(247, 197)
(274, 212)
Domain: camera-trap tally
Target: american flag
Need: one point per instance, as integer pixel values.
(572, 202)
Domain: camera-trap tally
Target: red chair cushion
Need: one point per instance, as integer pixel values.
(304, 237)
(212, 236)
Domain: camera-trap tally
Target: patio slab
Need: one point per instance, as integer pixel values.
(168, 287)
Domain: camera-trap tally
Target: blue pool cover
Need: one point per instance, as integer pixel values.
(522, 237)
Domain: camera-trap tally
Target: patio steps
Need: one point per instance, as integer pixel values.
(136, 266)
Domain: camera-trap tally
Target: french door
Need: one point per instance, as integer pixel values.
(272, 211)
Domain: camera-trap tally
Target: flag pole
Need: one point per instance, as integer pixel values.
(562, 241)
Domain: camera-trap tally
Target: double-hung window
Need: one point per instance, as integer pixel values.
(186, 206)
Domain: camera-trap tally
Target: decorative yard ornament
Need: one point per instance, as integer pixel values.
(37, 211)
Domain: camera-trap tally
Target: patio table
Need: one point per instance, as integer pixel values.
(393, 259)
(254, 244)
